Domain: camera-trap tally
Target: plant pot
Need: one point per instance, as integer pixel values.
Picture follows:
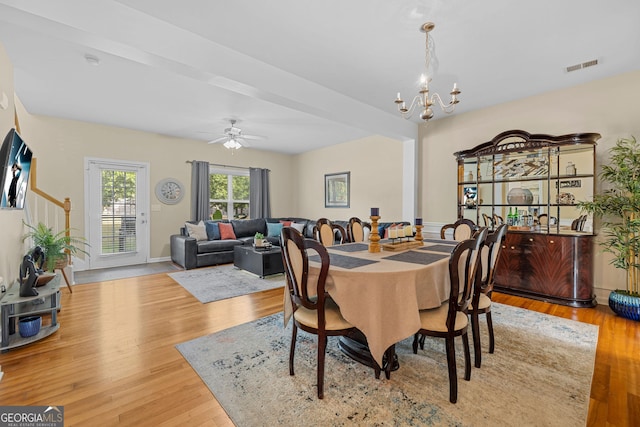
(625, 305)
(29, 326)
(258, 243)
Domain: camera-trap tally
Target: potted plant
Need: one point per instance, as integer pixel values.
(258, 240)
(56, 246)
(618, 205)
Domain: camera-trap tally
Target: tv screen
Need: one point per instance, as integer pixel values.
(15, 160)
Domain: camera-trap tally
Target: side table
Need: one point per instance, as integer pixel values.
(257, 261)
(13, 306)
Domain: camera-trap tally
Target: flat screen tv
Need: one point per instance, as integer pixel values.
(15, 160)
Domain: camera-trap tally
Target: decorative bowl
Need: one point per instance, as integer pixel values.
(519, 196)
(29, 326)
(44, 278)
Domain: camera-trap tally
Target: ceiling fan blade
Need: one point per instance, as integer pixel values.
(222, 138)
(253, 137)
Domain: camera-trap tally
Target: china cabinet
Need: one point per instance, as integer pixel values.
(532, 182)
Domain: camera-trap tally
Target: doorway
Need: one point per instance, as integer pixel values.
(116, 200)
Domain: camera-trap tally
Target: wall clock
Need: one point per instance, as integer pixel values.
(169, 191)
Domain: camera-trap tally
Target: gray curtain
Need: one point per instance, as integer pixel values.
(259, 194)
(199, 190)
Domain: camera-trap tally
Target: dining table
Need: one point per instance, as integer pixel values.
(381, 293)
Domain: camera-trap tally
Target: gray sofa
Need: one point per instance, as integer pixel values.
(189, 253)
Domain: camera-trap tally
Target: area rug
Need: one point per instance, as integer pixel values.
(539, 375)
(224, 281)
(124, 272)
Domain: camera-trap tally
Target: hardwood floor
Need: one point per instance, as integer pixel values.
(114, 361)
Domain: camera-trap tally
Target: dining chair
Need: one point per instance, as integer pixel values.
(578, 223)
(463, 229)
(450, 319)
(355, 230)
(327, 232)
(488, 221)
(316, 314)
(497, 219)
(481, 303)
(543, 219)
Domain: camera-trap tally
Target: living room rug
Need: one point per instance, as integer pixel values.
(224, 281)
(540, 374)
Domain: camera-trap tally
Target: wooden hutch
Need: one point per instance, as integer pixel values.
(548, 250)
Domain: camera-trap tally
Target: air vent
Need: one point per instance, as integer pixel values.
(577, 67)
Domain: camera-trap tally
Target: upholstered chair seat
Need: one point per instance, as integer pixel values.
(435, 319)
(333, 318)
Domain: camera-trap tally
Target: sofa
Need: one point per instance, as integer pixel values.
(194, 248)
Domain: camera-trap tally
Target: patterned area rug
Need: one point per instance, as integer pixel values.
(539, 375)
(224, 281)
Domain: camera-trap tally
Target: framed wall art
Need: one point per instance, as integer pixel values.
(336, 190)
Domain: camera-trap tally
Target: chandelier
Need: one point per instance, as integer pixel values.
(422, 99)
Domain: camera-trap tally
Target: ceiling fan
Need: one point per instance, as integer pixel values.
(234, 138)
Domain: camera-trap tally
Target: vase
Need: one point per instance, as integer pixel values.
(520, 196)
(625, 305)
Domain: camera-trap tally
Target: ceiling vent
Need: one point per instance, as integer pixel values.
(577, 67)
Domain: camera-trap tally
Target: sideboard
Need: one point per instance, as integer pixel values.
(551, 267)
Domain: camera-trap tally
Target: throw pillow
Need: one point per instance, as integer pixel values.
(213, 231)
(274, 229)
(298, 226)
(285, 223)
(226, 231)
(197, 230)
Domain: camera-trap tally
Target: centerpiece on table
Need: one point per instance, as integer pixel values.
(258, 240)
(618, 205)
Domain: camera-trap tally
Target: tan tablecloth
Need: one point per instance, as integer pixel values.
(382, 299)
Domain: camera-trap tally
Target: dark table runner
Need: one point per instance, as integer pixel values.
(438, 248)
(351, 247)
(344, 261)
(444, 242)
(417, 257)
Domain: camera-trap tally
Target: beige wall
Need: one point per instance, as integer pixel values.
(61, 147)
(10, 220)
(375, 164)
(608, 106)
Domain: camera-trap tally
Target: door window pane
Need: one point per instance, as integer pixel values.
(118, 220)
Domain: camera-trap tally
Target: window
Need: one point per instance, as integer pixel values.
(229, 194)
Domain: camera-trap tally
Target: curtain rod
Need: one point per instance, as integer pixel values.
(225, 166)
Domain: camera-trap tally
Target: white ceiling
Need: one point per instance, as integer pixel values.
(304, 74)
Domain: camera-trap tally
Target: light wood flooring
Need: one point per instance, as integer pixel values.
(114, 362)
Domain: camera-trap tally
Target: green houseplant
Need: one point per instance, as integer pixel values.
(56, 246)
(258, 239)
(618, 205)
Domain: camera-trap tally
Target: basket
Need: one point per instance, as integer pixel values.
(30, 326)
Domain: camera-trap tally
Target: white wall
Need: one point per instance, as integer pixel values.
(608, 106)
